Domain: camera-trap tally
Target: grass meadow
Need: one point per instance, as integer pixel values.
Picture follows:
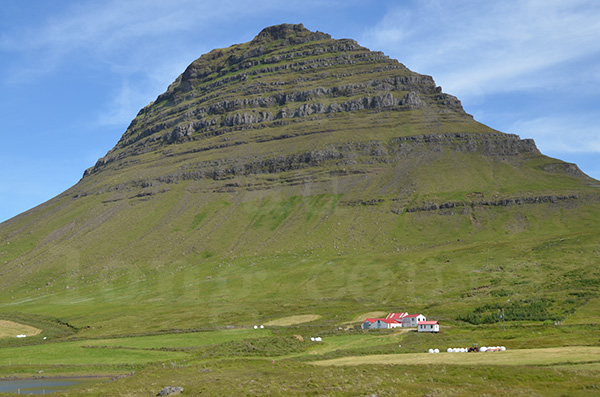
(348, 361)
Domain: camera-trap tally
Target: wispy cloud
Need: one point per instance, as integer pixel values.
(561, 134)
(109, 27)
(129, 29)
(145, 43)
(475, 47)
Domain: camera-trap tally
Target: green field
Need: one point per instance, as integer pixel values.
(283, 359)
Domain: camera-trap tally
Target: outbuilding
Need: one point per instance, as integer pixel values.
(385, 323)
(379, 323)
(428, 326)
(367, 323)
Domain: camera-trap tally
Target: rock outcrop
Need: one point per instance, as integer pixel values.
(504, 202)
(170, 391)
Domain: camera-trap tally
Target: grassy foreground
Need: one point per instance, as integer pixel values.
(263, 377)
(282, 360)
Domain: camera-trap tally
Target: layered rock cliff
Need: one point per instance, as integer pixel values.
(292, 100)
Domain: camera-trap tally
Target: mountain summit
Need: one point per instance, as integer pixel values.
(288, 34)
(296, 101)
(301, 173)
(289, 78)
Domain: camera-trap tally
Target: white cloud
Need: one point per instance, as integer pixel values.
(474, 47)
(113, 32)
(561, 134)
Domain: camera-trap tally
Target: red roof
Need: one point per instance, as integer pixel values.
(396, 316)
(387, 321)
(427, 322)
(412, 315)
(384, 320)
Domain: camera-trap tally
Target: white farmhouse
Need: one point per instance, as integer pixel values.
(411, 320)
(428, 326)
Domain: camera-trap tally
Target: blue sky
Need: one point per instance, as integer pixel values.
(74, 73)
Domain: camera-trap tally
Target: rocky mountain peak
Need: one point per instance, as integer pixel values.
(293, 99)
(290, 33)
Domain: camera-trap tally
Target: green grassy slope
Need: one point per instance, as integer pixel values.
(399, 204)
(186, 257)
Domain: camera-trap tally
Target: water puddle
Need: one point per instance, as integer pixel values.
(45, 386)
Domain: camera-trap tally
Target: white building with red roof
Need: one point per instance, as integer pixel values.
(395, 320)
(428, 326)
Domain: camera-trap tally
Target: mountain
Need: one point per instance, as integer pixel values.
(297, 173)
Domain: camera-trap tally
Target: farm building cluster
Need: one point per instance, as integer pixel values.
(404, 320)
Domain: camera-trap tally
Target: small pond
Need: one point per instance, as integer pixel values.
(44, 386)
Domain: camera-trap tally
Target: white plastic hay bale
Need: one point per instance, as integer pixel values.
(436, 350)
(449, 350)
(483, 349)
(21, 336)
(463, 350)
(430, 350)
(319, 339)
(502, 348)
(312, 338)
(262, 326)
